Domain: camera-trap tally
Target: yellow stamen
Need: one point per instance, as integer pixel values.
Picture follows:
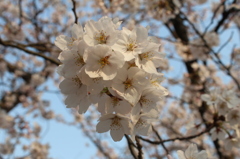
(104, 61)
(101, 37)
(146, 56)
(116, 125)
(131, 46)
(127, 83)
(77, 81)
(79, 60)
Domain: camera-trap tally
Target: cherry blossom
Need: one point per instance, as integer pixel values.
(64, 42)
(101, 32)
(115, 70)
(94, 85)
(155, 82)
(72, 58)
(192, 153)
(233, 117)
(103, 62)
(229, 143)
(230, 98)
(212, 97)
(148, 59)
(218, 133)
(116, 103)
(76, 92)
(142, 122)
(148, 100)
(116, 123)
(131, 43)
(129, 84)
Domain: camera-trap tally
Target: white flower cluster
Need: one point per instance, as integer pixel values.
(226, 104)
(114, 70)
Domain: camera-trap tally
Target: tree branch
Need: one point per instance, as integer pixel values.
(74, 11)
(177, 138)
(131, 146)
(139, 147)
(23, 48)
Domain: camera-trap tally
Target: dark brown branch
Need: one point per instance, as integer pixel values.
(225, 16)
(177, 138)
(131, 146)
(139, 147)
(23, 48)
(74, 11)
(160, 139)
(20, 12)
(225, 44)
(214, 14)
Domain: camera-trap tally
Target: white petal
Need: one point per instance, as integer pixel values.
(103, 126)
(202, 155)
(117, 135)
(136, 109)
(142, 34)
(181, 154)
(191, 151)
(62, 41)
(108, 73)
(77, 31)
(149, 67)
(205, 97)
(131, 95)
(123, 107)
(84, 105)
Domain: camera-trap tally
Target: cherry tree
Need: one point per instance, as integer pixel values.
(161, 75)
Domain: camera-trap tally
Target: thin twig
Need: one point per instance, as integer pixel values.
(74, 11)
(225, 44)
(139, 147)
(213, 17)
(177, 138)
(20, 12)
(160, 139)
(22, 47)
(131, 146)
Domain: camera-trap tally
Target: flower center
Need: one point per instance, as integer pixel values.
(96, 80)
(101, 37)
(128, 83)
(77, 81)
(79, 60)
(70, 43)
(131, 45)
(146, 56)
(228, 99)
(140, 123)
(235, 115)
(143, 101)
(155, 83)
(115, 101)
(116, 125)
(104, 61)
(214, 97)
